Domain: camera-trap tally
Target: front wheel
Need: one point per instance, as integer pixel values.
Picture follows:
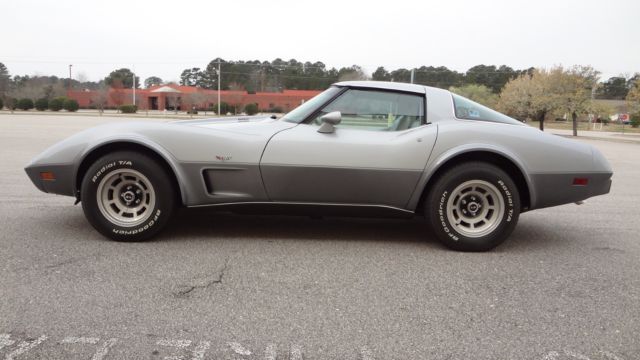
(127, 196)
(473, 207)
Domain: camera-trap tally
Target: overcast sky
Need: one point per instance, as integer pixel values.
(163, 37)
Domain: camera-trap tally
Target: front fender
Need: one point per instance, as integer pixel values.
(121, 140)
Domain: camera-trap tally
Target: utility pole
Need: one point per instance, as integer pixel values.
(413, 72)
(219, 69)
(134, 88)
(69, 86)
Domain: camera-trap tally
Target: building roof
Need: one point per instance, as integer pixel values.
(166, 89)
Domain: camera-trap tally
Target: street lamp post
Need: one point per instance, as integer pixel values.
(134, 88)
(219, 87)
(69, 85)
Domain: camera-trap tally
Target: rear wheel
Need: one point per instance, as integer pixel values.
(127, 196)
(473, 207)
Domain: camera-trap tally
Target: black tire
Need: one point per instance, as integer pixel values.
(458, 191)
(133, 185)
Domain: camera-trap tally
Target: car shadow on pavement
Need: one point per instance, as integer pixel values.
(531, 234)
(535, 235)
(207, 223)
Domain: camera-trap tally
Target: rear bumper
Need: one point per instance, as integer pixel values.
(64, 179)
(558, 189)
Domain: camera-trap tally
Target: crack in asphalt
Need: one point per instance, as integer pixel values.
(47, 268)
(188, 289)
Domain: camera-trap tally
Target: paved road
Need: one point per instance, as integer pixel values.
(628, 137)
(565, 286)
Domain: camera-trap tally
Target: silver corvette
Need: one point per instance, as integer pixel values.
(359, 148)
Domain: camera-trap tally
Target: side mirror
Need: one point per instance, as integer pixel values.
(329, 121)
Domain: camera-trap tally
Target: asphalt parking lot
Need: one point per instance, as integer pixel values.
(566, 285)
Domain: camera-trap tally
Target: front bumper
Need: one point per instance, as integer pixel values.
(64, 183)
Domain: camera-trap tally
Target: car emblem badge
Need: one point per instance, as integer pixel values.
(223, 158)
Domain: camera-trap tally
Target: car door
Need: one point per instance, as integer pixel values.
(375, 156)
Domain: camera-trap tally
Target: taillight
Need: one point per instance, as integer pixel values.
(580, 181)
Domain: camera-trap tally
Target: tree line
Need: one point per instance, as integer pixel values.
(522, 93)
(277, 75)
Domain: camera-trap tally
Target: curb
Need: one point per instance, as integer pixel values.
(600, 138)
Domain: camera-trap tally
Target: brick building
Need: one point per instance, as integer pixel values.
(172, 96)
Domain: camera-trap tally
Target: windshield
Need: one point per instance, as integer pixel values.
(470, 110)
(303, 111)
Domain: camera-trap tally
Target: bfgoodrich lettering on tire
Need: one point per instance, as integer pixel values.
(127, 196)
(473, 206)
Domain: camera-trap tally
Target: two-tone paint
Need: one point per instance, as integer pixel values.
(265, 161)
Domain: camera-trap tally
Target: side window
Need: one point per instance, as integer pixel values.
(377, 110)
(469, 110)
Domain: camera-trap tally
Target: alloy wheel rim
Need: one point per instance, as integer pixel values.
(126, 197)
(475, 208)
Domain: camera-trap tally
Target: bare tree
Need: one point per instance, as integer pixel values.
(100, 98)
(173, 101)
(196, 100)
(546, 91)
(117, 96)
(633, 97)
(529, 96)
(37, 87)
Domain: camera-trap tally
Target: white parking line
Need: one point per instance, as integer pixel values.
(80, 340)
(180, 344)
(270, 352)
(296, 352)
(576, 355)
(5, 341)
(104, 349)
(201, 349)
(239, 349)
(366, 353)
(25, 346)
(611, 356)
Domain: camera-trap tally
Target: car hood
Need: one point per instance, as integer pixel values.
(240, 124)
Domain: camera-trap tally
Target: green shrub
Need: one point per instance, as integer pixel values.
(128, 109)
(12, 103)
(25, 104)
(635, 120)
(275, 109)
(251, 109)
(56, 104)
(224, 108)
(1, 104)
(42, 104)
(71, 105)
